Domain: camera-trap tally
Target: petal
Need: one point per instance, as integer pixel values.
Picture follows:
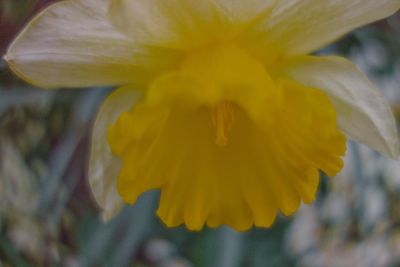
(265, 166)
(239, 11)
(104, 167)
(362, 112)
(184, 23)
(72, 44)
(301, 26)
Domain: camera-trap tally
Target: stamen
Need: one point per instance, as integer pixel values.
(222, 117)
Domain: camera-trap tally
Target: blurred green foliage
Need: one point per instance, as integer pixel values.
(17, 9)
(48, 217)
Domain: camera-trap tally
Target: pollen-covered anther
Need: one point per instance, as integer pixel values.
(222, 117)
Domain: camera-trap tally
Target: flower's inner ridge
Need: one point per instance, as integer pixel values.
(222, 117)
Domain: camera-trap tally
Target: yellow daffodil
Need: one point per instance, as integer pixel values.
(220, 107)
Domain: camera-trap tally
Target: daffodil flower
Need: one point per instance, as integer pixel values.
(220, 105)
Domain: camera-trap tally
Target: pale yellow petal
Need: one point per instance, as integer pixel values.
(362, 111)
(301, 26)
(239, 11)
(104, 167)
(185, 23)
(72, 44)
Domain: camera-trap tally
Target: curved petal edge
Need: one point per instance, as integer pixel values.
(72, 44)
(104, 167)
(302, 26)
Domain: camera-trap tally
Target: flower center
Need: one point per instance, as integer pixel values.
(222, 117)
(224, 76)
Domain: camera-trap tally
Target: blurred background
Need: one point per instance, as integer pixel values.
(49, 218)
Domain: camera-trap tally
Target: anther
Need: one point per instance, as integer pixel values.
(222, 117)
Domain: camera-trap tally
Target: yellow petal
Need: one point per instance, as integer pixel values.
(104, 167)
(185, 23)
(72, 44)
(362, 111)
(214, 160)
(301, 26)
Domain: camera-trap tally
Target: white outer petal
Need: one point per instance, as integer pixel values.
(185, 24)
(104, 167)
(362, 111)
(296, 27)
(72, 43)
